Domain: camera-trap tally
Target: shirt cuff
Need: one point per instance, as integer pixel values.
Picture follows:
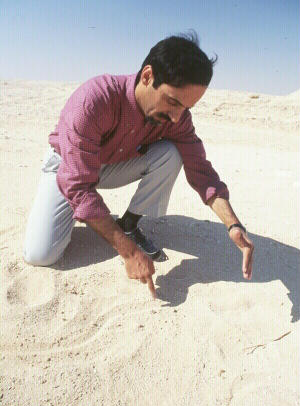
(91, 207)
(212, 191)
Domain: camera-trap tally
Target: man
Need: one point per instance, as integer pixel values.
(115, 130)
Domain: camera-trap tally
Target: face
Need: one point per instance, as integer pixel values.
(166, 103)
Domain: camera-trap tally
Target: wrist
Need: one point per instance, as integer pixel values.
(126, 247)
(114, 235)
(236, 225)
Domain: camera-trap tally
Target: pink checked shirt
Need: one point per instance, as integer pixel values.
(101, 123)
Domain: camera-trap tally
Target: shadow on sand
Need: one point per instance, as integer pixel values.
(217, 258)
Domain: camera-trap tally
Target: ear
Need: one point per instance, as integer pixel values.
(147, 77)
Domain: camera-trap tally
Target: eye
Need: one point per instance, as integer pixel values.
(172, 102)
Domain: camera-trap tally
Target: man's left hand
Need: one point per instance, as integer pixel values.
(241, 240)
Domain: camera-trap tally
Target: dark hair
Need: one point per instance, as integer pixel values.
(179, 61)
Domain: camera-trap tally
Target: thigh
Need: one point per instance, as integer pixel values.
(50, 222)
(122, 173)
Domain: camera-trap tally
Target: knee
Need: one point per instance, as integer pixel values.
(173, 157)
(39, 257)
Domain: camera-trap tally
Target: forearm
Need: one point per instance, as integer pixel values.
(223, 210)
(114, 235)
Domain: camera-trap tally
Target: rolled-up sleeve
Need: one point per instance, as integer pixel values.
(199, 171)
(78, 174)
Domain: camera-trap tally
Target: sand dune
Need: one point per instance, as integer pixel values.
(81, 333)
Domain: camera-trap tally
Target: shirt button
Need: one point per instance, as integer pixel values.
(132, 131)
(121, 150)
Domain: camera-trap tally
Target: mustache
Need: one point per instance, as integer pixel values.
(164, 116)
(153, 121)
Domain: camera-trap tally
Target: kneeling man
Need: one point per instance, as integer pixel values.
(114, 130)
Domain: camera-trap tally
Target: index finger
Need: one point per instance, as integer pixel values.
(151, 287)
(247, 257)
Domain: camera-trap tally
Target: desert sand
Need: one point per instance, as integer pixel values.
(81, 333)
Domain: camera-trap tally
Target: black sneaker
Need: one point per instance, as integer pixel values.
(142, 242)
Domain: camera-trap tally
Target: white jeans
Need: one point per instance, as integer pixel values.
(50, 222)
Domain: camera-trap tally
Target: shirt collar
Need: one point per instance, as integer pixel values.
(130, 91)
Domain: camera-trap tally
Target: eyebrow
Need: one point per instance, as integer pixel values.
(177, 101)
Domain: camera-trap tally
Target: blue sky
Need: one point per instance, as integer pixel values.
(257, 41)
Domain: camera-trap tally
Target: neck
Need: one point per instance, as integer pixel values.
(138, 92)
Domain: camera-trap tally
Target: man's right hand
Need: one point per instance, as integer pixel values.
(140, 266)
